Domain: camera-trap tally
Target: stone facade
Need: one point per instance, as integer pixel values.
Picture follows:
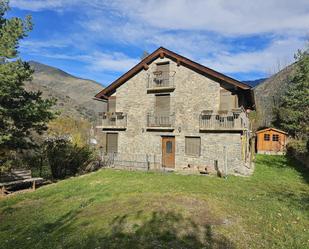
(193, 93)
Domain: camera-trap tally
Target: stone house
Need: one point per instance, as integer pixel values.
(180, 115)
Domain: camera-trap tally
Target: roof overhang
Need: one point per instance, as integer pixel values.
(180, 60)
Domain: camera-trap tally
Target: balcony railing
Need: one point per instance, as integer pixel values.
(235, 119)
(114, 120)
(161, 81)
(160, 121)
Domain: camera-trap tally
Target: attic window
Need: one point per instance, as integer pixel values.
(266, 137)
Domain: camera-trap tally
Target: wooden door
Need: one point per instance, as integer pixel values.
(168, 152)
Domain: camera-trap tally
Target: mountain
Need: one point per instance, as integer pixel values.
(74, 95)
(256, 82)
(268, 94)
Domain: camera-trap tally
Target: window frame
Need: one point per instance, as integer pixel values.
(275, 140)
(267, 135)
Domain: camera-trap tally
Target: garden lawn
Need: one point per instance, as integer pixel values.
(126, 209)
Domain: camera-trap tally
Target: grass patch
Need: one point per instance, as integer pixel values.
(120, 209)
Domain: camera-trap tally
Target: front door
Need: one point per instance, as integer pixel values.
(168, 152)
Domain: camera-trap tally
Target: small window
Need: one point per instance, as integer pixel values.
(193, 146)
(275, 137)
(169, 147)
(266, 137)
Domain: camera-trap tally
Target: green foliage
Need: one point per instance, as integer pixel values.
(65, 158)
(299, 149)
(23, 114)
(125, 209)
(292, 115)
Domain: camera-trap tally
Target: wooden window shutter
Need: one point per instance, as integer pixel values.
(162, 105)
(227, 100)
(112, 143)
(164, 68)
(193, 146)
(111, 104)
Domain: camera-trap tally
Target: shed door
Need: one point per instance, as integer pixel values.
(168, 152)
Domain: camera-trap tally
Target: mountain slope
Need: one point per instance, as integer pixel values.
(256, 82)
(268, 93)
(74, 95)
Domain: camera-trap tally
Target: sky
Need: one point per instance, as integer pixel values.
(102, 39)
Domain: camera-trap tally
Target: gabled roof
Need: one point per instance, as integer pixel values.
(271, 129)
(181, 60)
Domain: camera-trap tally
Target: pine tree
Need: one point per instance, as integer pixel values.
(292, 115)
(23, 114)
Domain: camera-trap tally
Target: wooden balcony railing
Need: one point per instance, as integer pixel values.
(113, 120)
(235, 119)
(160, 121)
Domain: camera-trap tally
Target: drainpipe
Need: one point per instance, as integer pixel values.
(225, 161)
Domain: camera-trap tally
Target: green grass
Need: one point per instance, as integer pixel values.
(121, 209)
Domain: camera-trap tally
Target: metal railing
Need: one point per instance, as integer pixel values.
(114, 119)
(154, 120)
(161, 79)
(236, 119)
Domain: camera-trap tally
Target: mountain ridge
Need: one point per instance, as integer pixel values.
(74, 95)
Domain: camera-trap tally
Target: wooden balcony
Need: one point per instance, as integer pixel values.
(160, 122)
(160, 82)
(113, 121)
(234, 120)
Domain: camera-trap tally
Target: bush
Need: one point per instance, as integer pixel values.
(65, 158)
(298, 149)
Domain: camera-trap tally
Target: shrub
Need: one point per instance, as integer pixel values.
(298, 149)
(65, 158)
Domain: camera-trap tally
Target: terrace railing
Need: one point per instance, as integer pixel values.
(154, 120)
(161, 80)
(116, 120)
(235, 119)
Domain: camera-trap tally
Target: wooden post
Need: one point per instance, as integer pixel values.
(33, 185)
(2, 191)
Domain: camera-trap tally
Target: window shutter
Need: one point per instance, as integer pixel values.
(165, 69)
(112, 143)
(193, 146)
(162, 105)
(111, 104)
(227, 100)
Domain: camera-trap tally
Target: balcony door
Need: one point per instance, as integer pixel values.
(168, 152)
(162, 110)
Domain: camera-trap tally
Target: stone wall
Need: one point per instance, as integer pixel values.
(193, 93)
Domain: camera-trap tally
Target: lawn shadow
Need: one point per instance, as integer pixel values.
(160, 230)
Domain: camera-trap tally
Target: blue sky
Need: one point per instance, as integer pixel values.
(102, 39)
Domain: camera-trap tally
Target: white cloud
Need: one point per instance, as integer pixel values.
(226, 17)
(277, 55)
(201, 30)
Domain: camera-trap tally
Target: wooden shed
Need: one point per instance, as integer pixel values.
(271, 141)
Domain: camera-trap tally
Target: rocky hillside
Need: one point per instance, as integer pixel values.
(268, 93)
(74, 95)
(254, 83)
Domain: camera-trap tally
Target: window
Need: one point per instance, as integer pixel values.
(193, 146)
(275, 137)
(163, 105)
(111, 104)
(169, 147)
(228, 101)
(112, 143)
(266, 137)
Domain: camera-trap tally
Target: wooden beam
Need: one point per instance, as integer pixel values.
(178, 62)
(145, 67)
(161, 55)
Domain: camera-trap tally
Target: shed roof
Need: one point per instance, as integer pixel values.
(272, 129)
(181, 60)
